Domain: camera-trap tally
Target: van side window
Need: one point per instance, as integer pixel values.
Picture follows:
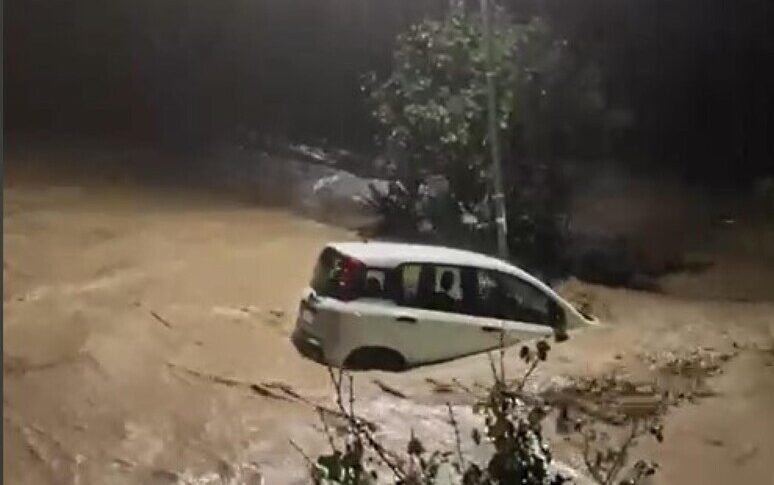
(409, 278)
(375, 284)
(432, 287)
(507, 297)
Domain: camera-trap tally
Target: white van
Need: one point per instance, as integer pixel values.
(392, 306)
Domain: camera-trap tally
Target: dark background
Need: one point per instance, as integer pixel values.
(181, 74)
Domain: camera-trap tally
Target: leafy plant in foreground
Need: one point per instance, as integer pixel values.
(512, 428)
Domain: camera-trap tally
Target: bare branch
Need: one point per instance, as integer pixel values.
(502, 352)
(528, 373)
(303, 454)
(337, 387)
(382, 453)
(493, 368)
(358, 427)
(351, 395)
(457, 439)
(462, 386)
(622, 453)
(327, 430)
(590, 467)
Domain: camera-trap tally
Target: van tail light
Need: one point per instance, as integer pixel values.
(350, 278)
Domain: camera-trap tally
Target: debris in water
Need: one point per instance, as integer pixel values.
(165, 475)
(440, 387)
(160, 319)
(229, 382)
(749, 452)
(389, 390)
(286, 388)
(714, 442)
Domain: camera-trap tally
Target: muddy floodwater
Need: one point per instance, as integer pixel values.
(145, 340)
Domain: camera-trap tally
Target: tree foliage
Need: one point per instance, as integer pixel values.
(432, 116)
(432, 108)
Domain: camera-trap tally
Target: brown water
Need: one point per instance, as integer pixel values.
(135, 322)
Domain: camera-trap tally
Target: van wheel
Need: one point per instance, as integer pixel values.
(375, 358)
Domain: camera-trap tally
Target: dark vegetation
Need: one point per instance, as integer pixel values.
(431, 113)
(432, 118)
(688, 80)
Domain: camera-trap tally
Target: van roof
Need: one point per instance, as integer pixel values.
(389, 255)
(381, 254)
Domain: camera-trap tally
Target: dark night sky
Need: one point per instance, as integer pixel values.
(696, 73)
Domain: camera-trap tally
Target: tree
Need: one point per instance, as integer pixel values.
(431, 111)
(432, 108)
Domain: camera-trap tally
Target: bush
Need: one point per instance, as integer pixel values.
(512, 418)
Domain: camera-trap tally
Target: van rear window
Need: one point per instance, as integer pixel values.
(325, 279)
(342, 277)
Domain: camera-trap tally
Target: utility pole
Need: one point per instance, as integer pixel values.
(498, 196)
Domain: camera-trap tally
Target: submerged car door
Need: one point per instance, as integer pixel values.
(433, 318)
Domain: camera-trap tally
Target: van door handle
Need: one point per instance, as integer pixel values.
(491, 329)
(406, 319)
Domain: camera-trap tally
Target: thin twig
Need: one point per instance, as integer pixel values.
(359, 427)
(327, 430)
(622, 453)
(528, 373)
(351, 395)
(337, 387)
(502, 353)
(382, 453)
(493, 368)
(592, 469)
(462, 386)
(457, 439)
(303, 454)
